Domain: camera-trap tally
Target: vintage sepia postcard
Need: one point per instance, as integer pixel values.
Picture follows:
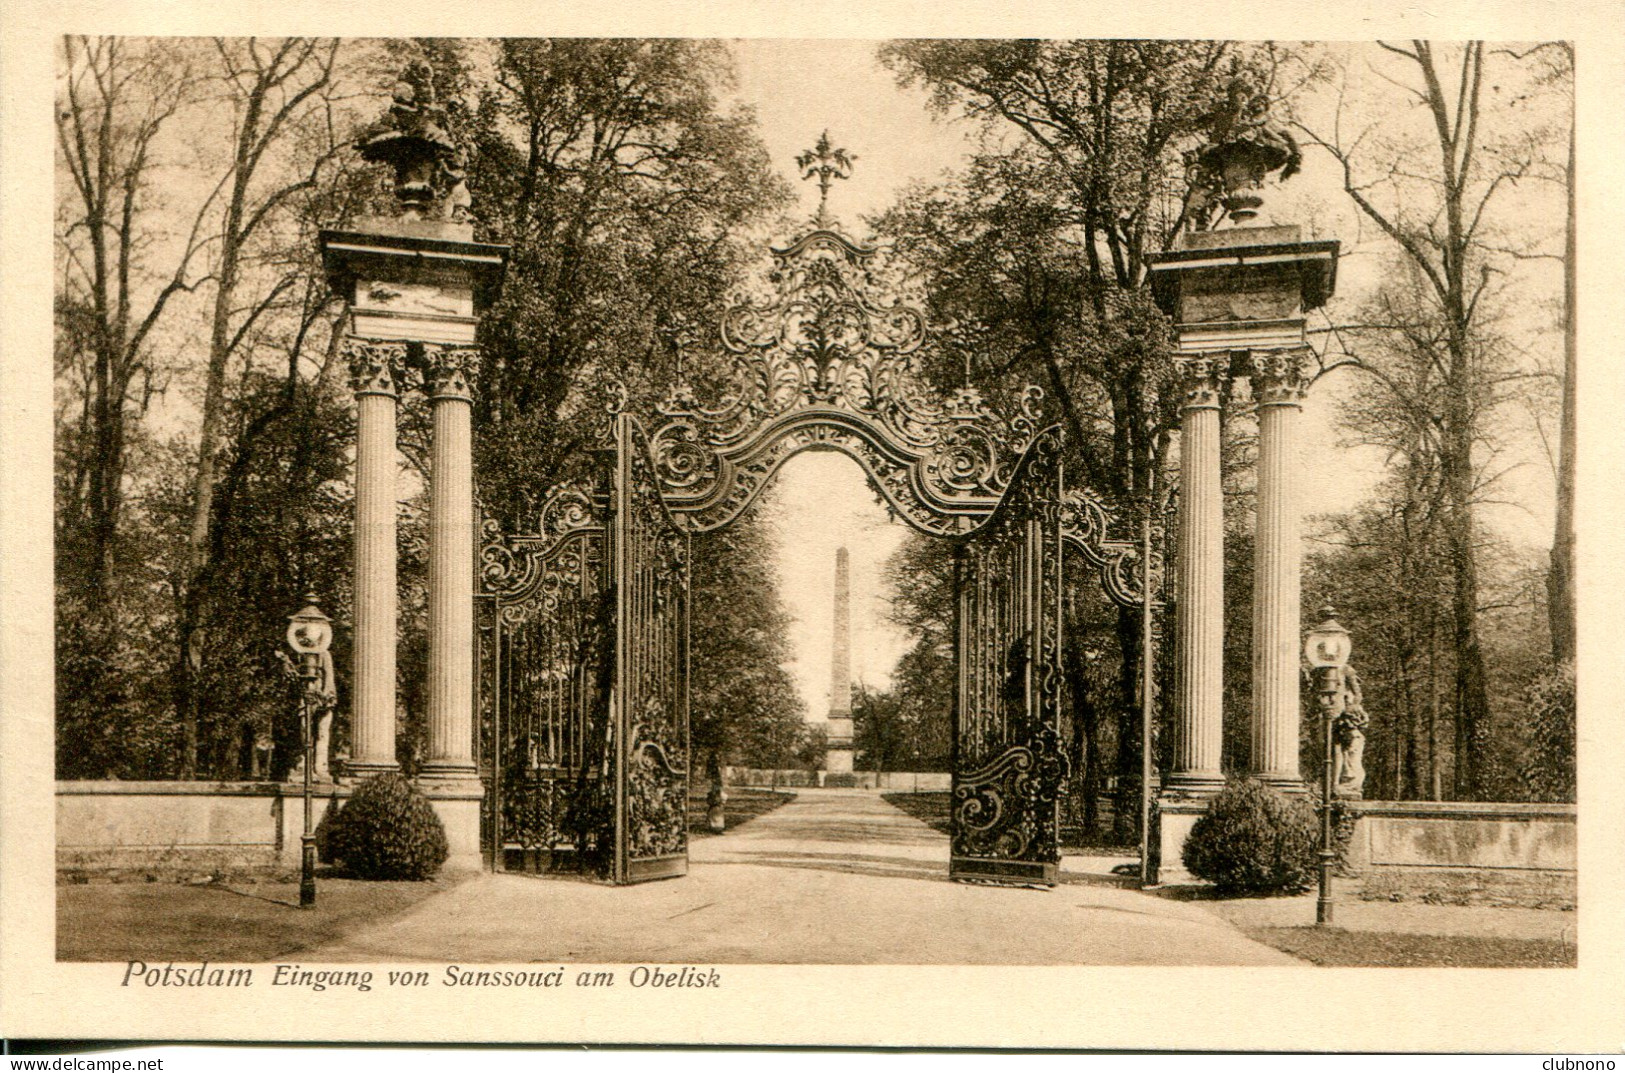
(829, 526)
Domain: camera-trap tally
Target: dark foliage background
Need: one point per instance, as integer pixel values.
(203, 422)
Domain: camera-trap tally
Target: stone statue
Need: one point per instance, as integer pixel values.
(327, 698)
(459, 204)
(1241, 145)
(411, 138)
(260, 757)
(1348, 737)
(413, 110)
(325, 691)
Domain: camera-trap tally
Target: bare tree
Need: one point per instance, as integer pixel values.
(1440, 219)
(1385, 564)
(1561, 590)
(272, 90)
(115, 98)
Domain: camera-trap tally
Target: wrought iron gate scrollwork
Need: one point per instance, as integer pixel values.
(1084, 527)
(1009, 766)
(545, 648)
(651, 660)
(827, 360)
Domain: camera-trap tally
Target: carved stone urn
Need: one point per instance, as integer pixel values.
(1240, 166)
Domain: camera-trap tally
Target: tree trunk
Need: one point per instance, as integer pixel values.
(1435, 770)
(1472, 702)
(1409, 787)
(1560, 582)
(203, 476)
(1085, 741)
(716, 816)
(106, 479)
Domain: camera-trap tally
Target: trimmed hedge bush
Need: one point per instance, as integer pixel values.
(324, 833)
(388, 830)
(1255, 840)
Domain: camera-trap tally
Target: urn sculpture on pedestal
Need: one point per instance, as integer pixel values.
(415, 284)
(1238, 297)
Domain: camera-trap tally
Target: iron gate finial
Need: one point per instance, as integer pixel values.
(828, 163)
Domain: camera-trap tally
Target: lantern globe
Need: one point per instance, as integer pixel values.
(1327, 645)
(310, 630)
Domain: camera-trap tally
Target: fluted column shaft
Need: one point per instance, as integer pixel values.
(1199, 623)
(375, 370)
(1279, 384)
(448, 376)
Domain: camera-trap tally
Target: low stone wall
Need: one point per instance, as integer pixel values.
(170, 825)
(166, 827)
(764, 778)
(1466, 851)
(890, 781)
(1457, 851)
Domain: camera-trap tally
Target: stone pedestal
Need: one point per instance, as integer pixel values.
(838, 753)
(457, 803)
(1176, 815)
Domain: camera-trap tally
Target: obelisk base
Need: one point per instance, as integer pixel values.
(838, 753)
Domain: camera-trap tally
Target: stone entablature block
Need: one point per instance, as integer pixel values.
(1243, 275)
(413, 281)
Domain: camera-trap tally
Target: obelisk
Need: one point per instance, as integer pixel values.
(838, 755)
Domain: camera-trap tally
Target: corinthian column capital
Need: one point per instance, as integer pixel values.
(1203, 379)
(1280, 377)
(375, 367)
(449, 371)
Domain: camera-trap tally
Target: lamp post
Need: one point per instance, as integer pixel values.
(309, 634)
(1326, 649)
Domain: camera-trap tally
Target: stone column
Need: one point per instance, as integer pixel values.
(1280, 381)
(448, 375)
(375, 371)
(1199, 624)
(1241, 290)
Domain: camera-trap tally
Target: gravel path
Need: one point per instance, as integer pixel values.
(834, 877)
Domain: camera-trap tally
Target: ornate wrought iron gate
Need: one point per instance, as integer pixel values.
(1008, 760)
(585, 652)
(584, 683)
(650, 699)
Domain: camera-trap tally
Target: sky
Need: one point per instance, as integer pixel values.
(802, 87)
